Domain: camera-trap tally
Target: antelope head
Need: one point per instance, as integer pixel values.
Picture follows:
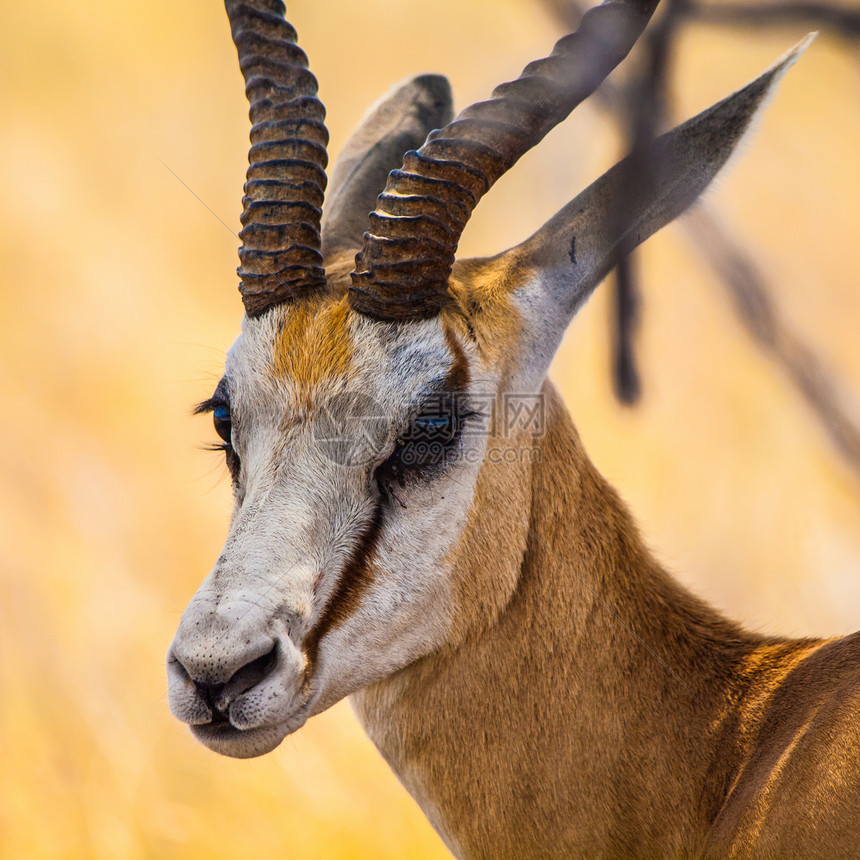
(379, 499)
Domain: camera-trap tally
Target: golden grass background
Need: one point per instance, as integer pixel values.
(119, 299)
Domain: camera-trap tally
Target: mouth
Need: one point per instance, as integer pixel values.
(224, 738)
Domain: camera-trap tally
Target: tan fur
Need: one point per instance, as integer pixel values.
(484, 308)
(313, 344)
(592, 707)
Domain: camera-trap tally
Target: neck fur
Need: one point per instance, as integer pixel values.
(595, 708)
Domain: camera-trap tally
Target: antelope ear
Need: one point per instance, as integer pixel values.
(399, 122)
(550, 275)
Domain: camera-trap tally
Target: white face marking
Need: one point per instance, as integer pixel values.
(307, 498)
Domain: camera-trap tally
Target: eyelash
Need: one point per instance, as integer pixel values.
(213, 405)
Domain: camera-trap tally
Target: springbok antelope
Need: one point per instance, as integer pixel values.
(537, 682)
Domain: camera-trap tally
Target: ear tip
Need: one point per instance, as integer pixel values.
(438, 87)
(765, 85)
(432, 80)
(790, 57)
(806, 41)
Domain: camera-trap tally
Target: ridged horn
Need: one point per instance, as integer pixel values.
(280, 253)
(403, 269)
(397, 123)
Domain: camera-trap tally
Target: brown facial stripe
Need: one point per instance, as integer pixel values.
(354, 579)
(458, 376)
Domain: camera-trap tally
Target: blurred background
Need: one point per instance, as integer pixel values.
(123, 147)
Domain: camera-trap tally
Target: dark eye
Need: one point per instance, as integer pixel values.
(428, 441)
(427, 446)
(223, 424)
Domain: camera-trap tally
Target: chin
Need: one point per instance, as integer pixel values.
(227, 740)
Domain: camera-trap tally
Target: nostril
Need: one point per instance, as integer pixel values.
(252, 673)
(214, 657)
(219, 696)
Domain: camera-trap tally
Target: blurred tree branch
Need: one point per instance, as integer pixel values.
(644, 111)
(639, 108)
(759, 315)
(835, 19)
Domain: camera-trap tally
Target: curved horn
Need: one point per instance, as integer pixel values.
(403, 269)
(280, 254)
